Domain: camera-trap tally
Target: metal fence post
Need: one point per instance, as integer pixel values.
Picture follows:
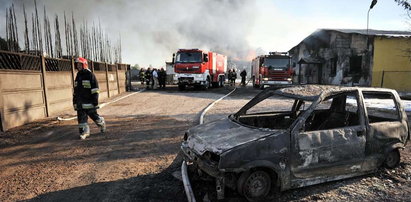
(108, 82)
(118, 82)
(44, 82)
(2, 120)
(73, 73)
(92, 66)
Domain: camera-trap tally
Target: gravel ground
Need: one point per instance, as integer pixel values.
(133, 161)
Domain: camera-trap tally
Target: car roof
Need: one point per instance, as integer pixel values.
(312, 92)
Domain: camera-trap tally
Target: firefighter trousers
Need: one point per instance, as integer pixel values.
(82, 117)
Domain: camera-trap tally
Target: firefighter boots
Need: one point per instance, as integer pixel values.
(101, 124)
(84, 130)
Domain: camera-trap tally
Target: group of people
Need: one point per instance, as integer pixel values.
(153, 78)
(232, 76)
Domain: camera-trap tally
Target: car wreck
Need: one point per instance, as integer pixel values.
(297, 136)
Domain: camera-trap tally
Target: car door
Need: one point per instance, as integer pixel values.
(387, 124)
(331, 142)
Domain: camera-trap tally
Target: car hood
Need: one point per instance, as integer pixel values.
(222, 135)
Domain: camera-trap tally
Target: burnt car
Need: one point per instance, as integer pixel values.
(298, 136)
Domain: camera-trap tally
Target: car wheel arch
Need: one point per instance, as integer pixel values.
(259, 165)
(393, 146)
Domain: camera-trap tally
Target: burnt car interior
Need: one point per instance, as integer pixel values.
(336, 111)
(262, 114)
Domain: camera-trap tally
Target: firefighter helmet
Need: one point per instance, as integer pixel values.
(82, 61)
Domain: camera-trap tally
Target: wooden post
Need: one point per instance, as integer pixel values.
(43, 75)
(73, 72)
(108, 82)
(118, 82)
(2, 120)
(92, 66)
(128, 69)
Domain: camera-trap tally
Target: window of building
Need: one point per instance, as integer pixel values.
(333, 64)
(355, 64)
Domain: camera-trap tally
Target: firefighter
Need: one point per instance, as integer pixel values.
(229, 75)
(233, 77)
(142, 74)
(162, 76)
(148, 77)
(85, 98)
(243, 74)
(154, 85)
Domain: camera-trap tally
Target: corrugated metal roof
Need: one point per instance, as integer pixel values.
(373, 32)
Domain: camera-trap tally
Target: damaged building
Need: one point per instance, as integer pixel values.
(354, 58)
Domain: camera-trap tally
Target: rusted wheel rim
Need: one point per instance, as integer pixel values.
(392, 159)
(257, 185)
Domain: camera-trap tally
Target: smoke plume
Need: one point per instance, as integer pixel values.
(151, 30)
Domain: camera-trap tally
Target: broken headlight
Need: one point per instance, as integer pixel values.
(211, 157)
(185, 136)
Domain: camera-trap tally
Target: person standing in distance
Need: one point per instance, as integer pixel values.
(85, 98)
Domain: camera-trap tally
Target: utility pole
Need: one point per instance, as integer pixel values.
(368, 14)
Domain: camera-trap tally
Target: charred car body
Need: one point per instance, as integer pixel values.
(299, 136)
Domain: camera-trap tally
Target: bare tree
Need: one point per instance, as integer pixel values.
(26, 32)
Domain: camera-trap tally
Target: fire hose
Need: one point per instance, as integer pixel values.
(101, 106)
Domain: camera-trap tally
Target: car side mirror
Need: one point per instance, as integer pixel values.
(173, 60)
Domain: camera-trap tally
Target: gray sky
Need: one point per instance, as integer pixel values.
(152, 30)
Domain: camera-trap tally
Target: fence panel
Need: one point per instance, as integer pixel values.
(100, 72)
(112, 79)
(59, 85)
(30, 91)
(122, 70)
(22, 98)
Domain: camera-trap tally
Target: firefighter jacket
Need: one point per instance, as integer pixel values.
(85, 90)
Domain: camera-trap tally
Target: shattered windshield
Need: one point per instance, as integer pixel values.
(273, 103)
(188, 57)
(276, 64)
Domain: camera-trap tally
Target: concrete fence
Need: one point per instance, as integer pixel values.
(36, 87)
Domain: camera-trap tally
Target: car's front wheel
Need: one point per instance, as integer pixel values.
(256, 186)
(392, 159)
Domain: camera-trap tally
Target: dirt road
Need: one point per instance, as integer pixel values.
(46, 161)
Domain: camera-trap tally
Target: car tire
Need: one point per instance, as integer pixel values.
(392, 159)
(256, 185)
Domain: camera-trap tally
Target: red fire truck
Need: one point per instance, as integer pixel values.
(272, 69)
(195, 67)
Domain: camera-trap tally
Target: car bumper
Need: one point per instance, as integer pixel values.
(191, 79)
(186, 182)
(275, 82)
(190, 158)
